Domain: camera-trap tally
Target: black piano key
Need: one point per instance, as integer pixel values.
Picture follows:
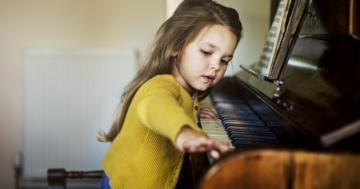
(237, 121)
(250, 135)
(256, 137)
(236, 143)
(239, 113)
(231, 105)
(239, 117)
(242, 123)
(254, 142)
(264, 133)
(245, 128)
(244, 146)
(247, 123)
(236, 111)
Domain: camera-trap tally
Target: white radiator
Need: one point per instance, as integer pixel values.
(68, 96)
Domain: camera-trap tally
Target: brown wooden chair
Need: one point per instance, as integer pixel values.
(284, 169)
(57, 177)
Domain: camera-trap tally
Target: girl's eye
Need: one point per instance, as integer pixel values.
(224, 62)
(205, 52)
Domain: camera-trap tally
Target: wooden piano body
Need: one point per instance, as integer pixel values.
(317, 109)
(284, 169)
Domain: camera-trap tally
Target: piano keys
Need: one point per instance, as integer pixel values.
(244, 125)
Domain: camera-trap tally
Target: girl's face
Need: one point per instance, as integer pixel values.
(204, 60)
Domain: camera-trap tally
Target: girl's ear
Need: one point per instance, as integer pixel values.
(174, 53)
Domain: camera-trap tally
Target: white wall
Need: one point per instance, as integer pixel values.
(88, 23)
(60, 24)
(254, 16)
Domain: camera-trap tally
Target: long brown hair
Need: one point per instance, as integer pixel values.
(174, 34)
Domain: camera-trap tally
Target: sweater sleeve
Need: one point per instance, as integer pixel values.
(161, 112)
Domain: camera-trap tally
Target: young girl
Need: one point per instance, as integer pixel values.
(156, 125)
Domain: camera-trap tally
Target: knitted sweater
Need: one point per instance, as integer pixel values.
(143, 155)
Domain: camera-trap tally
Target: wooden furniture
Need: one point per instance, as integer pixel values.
(317, 94)
(284, 169)
(316, 108)
(57, 177)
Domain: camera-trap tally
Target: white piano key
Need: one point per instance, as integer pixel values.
(213, 127)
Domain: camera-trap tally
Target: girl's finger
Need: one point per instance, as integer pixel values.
(208, 110)
(223, 147)
(211, 115)
(205, 115)
(214, 154)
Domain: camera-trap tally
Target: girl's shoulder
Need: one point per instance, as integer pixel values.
(165, 82)
(162, 80)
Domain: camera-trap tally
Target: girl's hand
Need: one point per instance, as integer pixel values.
(191, 141)
(207, 113)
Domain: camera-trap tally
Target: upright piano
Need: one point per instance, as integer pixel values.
(316, 101)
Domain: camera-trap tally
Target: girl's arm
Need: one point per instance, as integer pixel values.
(191, 141)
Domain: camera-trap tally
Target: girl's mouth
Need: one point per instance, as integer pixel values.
(209, 78)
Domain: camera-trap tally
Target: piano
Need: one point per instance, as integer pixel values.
(316, 101)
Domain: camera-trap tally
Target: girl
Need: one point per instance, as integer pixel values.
(189, 56)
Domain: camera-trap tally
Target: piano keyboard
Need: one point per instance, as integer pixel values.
(213, 127)
(240, 124)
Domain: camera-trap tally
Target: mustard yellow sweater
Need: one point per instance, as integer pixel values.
(143, 155)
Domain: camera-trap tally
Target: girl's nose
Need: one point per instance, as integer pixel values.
(215, 64)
